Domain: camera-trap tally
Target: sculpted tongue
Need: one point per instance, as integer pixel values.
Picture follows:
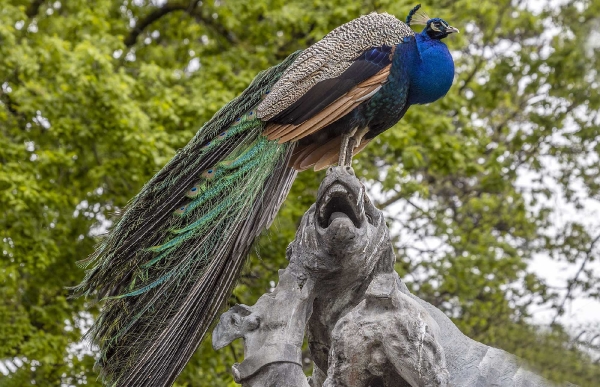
(339, 201)
(335, 216)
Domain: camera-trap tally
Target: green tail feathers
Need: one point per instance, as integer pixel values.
(172, 259)
(235, 186)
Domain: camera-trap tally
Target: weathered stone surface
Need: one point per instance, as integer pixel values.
(273, 331)
(366, 329)
(387, 337)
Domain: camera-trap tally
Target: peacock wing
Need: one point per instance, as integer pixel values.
(332, 77)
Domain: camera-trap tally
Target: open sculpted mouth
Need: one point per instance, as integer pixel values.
(338, 203)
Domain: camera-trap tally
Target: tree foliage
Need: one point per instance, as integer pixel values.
(97, 95)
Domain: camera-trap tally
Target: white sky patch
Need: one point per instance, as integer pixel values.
(193, 66)
(581, 310)
(130, 57)
(593, 41)
(537, 6)
(41, 120)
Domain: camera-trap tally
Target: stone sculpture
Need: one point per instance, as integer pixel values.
(365, 329)
(395, 337)
(273, 331)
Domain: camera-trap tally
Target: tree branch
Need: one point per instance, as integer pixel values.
(469, 78)
(10, 106)
(390, 201)
(34, 8)
(154, 16)
(216, 27)
(572, 283)
(486, 41)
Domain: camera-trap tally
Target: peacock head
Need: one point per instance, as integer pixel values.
(435, 28)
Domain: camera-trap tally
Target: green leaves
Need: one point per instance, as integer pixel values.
(86, 120)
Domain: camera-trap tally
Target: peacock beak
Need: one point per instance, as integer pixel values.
(451, 30)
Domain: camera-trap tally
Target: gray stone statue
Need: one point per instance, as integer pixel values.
(365, 329)
(273, 331)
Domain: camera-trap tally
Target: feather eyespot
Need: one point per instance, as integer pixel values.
(209, 173)
(180, 210)
(195, 190)
(222, 134)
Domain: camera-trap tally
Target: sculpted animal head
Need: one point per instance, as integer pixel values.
(234, 324)
(342, 232)
(268, 321)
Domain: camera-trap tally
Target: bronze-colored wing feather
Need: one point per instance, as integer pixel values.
(339, 108)
(320, 156)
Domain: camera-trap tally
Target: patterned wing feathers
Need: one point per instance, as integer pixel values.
(325, 117)
(333, 112)
(331, 57)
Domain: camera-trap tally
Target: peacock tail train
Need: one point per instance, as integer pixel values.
(171, 260)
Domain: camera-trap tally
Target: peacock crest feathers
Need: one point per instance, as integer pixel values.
(417, 16)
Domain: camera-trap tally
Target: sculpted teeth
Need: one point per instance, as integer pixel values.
(360, 202)
(334, 189)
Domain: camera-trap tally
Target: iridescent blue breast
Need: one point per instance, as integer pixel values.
(432, 76)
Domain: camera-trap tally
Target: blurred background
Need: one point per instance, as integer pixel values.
(492, 194)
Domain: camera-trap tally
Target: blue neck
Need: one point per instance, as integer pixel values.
(431, 71)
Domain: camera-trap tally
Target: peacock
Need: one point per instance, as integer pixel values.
(170, 261)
